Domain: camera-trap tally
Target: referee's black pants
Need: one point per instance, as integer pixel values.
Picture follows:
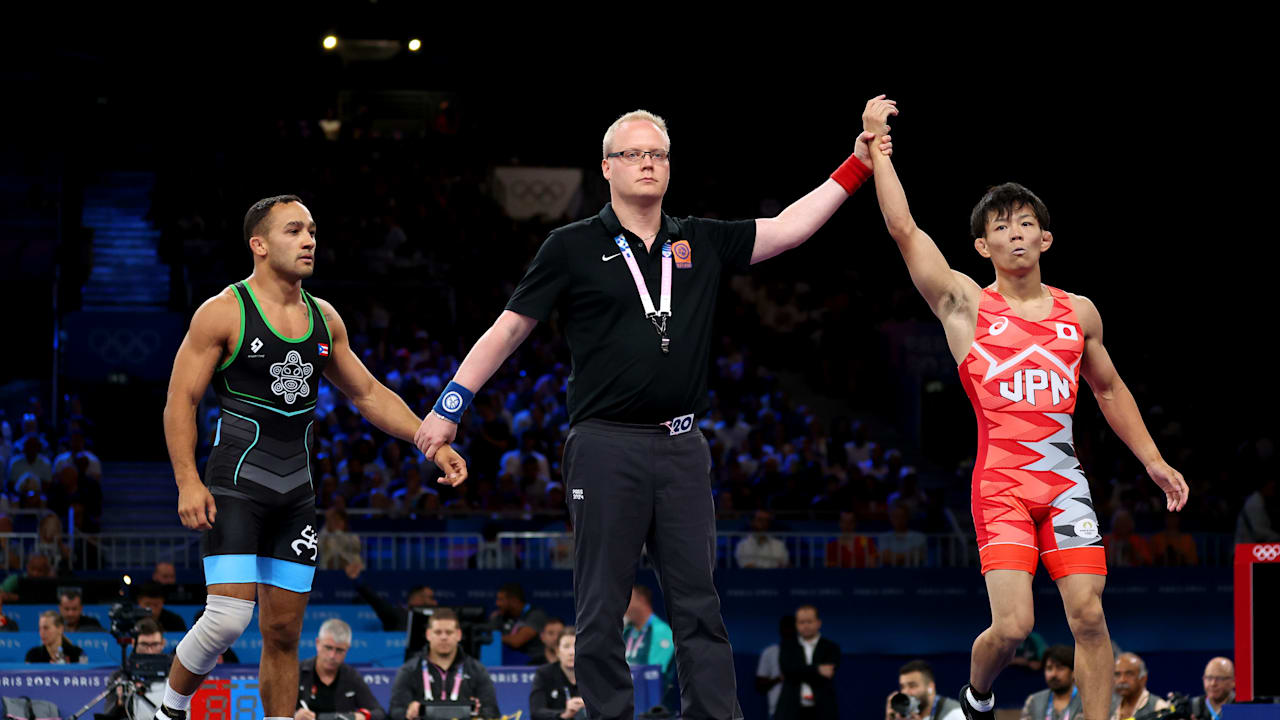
(628, 486)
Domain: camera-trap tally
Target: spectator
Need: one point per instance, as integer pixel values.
(31, 460)
(760, 550)
(394, 619)
(518, 622)
(166, 575)
(901, 547)
(1061, 701)
(1124, 548)
(50, 543)
(38, 567)
(1254, 524)
(851, 550)
(808, 671)
(1131, 689)
(453, 675)
(10, 556)
(915, 680)
(1173, 547)
(76, 453)
(147, 640)
(72, 490)
(646, 637)
(54, 646)
(555, 685)
(71, 608)
(328, 685)
(768, 670)
(7, 624)
(151, 596)
(550, 637)
(1219, 689)
(858, 449)
(339, 547)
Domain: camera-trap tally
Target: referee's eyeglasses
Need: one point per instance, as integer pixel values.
(633, 156)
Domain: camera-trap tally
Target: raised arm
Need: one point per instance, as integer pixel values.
(1120, 409)
(489, 352)
(803, 217)
(213, 326)
(944, 289)
(375, 401)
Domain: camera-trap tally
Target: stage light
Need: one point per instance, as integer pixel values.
(330, 42)
(128, 580)
(415, 45)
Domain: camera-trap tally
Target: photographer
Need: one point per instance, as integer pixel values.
(1219, 689)
(148, 639)
(917, 696)
(555, 686)
(330, 689)
(450, 673)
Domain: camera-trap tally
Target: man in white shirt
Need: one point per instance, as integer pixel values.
(760, 550)
(76, 442)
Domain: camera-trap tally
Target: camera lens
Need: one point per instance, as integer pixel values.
(900, 703)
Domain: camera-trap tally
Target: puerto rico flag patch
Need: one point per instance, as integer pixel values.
(324, 349)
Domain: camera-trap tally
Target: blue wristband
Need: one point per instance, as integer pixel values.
(453, 402)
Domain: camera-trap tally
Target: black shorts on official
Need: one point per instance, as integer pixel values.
(253, 542)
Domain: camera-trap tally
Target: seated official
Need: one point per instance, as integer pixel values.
(54, 646)
(452, 674)
(148, 639)
(329, 688)
(555, 685)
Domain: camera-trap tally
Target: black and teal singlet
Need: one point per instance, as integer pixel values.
(259, 470)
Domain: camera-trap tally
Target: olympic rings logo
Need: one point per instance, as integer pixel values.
(538, 191)
(122, 345)
(1266, 553)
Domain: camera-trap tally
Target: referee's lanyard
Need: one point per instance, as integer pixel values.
(659, 316)
(444, 679)
(1066, 714)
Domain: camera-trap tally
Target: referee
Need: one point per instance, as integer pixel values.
(636, 291)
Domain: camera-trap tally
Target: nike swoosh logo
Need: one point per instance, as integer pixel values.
(607, 258)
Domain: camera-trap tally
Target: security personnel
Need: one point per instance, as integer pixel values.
(636, 290)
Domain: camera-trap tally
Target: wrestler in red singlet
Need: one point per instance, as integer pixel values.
(1030, 496)
(1022, 347)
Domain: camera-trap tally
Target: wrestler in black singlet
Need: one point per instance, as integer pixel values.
(259, 471)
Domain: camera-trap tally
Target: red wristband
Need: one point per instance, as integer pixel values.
(851, 174)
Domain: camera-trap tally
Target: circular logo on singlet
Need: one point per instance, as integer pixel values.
(1086, 528)
(452, 401)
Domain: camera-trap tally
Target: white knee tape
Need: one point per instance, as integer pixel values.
(224, 619)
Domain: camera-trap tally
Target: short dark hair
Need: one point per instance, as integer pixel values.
(807, 606)
(147, 626)
(920, 666)
(553, 620)
(259, 211)
(513, 589)
(1064, 655)
(70, 593)
(644, 592)
(151, 589)
(442, 614)
(1002, 199)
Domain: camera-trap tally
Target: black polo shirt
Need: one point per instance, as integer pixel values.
(619, 371)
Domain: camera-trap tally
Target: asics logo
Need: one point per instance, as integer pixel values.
(607, 258)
